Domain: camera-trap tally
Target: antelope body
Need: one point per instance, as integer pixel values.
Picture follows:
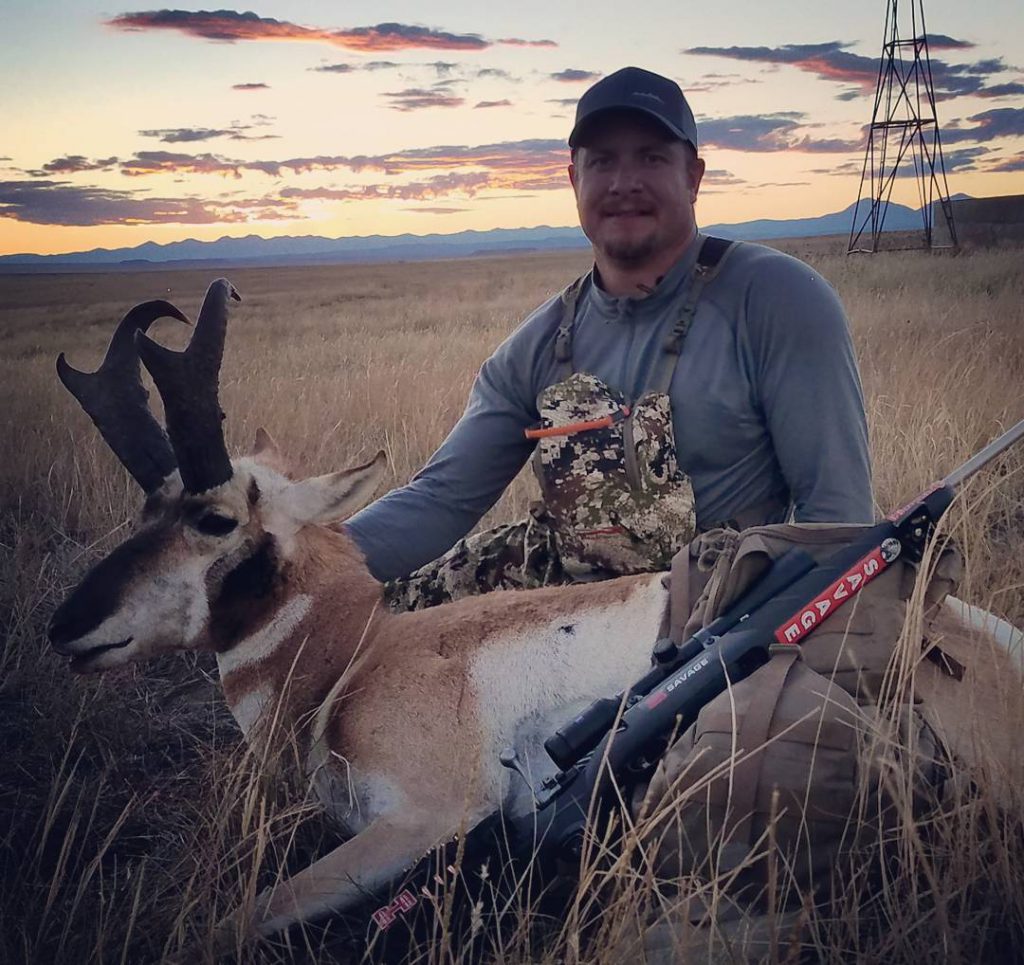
(400, 718)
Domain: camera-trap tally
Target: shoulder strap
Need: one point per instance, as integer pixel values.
(751, 736)
(710, 258)
(563, 339)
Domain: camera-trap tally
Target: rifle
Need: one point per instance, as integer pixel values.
(618, 740)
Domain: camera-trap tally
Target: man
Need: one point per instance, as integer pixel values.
(680, 385)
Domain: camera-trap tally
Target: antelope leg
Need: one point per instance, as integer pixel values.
(340, 879)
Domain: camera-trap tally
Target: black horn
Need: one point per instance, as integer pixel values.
(187, 382)
(117, 402)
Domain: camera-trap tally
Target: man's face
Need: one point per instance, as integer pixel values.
(635, 188)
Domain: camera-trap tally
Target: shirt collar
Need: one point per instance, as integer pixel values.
(668, 286)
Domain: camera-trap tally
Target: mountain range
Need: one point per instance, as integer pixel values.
(312, 249)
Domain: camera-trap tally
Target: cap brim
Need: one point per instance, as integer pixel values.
(588, 121)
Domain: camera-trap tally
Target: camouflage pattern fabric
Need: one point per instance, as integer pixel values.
(616, 494)
(517, 556)
(615, 503)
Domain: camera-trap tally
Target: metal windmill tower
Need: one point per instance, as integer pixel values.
(904, 135)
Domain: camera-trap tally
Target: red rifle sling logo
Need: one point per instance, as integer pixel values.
(387, 915)
(848, 585)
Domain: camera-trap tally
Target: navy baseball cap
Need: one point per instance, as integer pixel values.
(635, 89)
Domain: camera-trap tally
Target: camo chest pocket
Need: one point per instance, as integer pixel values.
(581, 454)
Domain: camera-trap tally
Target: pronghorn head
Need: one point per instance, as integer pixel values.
(214, 537)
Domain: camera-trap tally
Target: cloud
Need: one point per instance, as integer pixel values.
(164, 162)
(833, 170)
(435, 210)
(719, 177)
(519, 42)
(230, 26)
(988, 125)
(533, 159)
(418, 98)
(188, 135)
(49, 202)
(441, 172)
(832, 61)
(532, 164)
(501, 103)
(497, 73)
(443, 67)
(1009, 164)
(508, 166)
(572, 76)
(709, 83)
(1014, 89)
(563, 101)
(74, 164)
(467, 184)
(250, 86)
(942, 42)
(963, 159)
(448, 70)
(767, 133)
(334, 69)
(829, 60)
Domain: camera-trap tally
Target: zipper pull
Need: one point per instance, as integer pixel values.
(573, 427)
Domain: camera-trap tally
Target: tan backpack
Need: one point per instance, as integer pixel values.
(777, 764)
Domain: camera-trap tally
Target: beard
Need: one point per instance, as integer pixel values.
(631, 248)
(633, 251)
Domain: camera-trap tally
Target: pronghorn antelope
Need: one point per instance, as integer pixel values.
(401, 718)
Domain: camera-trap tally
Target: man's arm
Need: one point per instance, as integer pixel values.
(810, 392)
(483, 453)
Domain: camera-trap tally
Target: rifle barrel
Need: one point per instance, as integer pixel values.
(985, 456)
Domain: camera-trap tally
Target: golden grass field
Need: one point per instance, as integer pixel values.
(131, 815)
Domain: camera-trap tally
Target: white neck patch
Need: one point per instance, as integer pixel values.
(267, 639)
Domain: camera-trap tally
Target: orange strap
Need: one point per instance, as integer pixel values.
(574, 427)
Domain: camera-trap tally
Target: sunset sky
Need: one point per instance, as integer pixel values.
(129, 124)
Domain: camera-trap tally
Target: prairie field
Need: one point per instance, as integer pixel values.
(131, 814)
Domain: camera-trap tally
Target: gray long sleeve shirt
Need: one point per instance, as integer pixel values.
(766, 404)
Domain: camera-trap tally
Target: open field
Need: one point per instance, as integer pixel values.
(130, 814)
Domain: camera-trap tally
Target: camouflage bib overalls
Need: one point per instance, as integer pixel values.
(607, 466)
(614, 498)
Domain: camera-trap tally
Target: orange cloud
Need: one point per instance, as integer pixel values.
(231, 25)
(59, 203)
(529, 165)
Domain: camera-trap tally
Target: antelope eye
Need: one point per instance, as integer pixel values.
(214, 524)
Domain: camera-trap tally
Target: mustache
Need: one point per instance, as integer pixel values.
(620, 209)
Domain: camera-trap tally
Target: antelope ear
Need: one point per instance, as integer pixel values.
(330, 498)
(267, 452)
